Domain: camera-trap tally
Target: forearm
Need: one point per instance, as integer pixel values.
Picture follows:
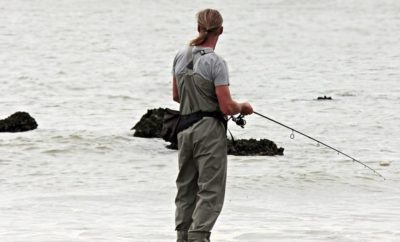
(232, 108)
(175, 94)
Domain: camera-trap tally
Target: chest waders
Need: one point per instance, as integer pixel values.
(202, 156)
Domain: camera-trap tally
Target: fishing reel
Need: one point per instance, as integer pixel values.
(239, 120)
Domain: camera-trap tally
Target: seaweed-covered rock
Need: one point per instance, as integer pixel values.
(249, 147)
(150, 125)
(18, 122)
(253, 147)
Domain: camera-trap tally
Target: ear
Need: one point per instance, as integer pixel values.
(221, 30)
(198, 28)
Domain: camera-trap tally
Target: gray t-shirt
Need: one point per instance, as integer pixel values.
(210, 66)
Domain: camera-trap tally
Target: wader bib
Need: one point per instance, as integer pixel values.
(202, 157)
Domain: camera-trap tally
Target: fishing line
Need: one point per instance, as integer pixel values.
(241, 122)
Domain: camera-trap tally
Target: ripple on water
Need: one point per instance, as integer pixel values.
(346, 94)
(122, 97)
(104, 148)
(55, 151)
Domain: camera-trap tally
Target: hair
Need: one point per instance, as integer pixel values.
(209, 21)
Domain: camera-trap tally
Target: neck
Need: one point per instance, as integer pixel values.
(210, 42)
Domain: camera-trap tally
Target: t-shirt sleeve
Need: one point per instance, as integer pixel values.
(221, 73)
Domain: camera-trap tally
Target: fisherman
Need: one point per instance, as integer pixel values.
(201, 86)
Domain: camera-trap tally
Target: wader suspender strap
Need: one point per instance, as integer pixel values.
(190, 55)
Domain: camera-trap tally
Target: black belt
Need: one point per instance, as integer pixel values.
(188, 120)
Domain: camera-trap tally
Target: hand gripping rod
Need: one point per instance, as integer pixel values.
(319, 142)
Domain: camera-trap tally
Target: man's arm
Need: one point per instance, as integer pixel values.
(229, 106)
(175, 95)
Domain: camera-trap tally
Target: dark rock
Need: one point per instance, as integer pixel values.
(18, 122)
(250, 147)
(149, 126)
(253, 147)
(324, 98)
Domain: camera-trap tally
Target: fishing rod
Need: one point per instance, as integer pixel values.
(241, 122)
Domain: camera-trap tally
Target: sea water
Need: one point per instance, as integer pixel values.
(88, 70)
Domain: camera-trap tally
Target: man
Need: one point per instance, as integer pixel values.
(201, 86)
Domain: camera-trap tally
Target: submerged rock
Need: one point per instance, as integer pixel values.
(324, 98)
(18, 122)
(150, 125)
